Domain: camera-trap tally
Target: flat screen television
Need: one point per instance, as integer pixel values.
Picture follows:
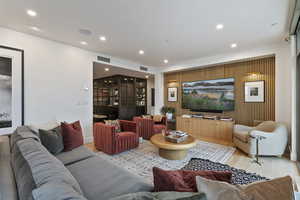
(209, 95)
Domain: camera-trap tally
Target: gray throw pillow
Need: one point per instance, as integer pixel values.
(56, 191)
(52, 140)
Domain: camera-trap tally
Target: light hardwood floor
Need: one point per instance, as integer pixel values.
(271, 167)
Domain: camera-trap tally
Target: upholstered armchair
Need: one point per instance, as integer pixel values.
(109, 141)
(146, 128)
(274, 143)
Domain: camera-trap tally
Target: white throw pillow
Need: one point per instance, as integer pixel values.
(45, 126)
(217, 190)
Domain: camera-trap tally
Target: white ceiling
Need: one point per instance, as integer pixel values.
(99, 71)
(174, 29)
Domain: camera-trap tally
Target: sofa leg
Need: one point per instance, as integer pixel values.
(251, 156)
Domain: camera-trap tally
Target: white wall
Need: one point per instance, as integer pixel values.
(55, 77)
(283, 64)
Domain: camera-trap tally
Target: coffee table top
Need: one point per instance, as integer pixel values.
(159, 141)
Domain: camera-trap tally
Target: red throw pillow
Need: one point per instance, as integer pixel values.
(184, 180)
(72, 135)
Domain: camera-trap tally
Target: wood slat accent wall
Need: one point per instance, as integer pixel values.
(245, 113)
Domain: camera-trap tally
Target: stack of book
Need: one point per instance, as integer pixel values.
(176, 136)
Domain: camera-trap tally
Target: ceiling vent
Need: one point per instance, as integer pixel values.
(143, 68)
(103, 59)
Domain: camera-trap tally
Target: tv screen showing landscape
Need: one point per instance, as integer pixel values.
(209, 95)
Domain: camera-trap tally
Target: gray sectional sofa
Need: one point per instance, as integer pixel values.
(29, 171)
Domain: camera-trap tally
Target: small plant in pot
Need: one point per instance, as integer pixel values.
(168, 111)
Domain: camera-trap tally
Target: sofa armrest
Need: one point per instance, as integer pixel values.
(104, 136)
(128, 125)
(256, 133)
(239, 127)
(274, 143)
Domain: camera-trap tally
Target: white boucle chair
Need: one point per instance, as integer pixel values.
(274, 144)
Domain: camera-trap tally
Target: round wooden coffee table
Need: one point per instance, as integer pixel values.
(172, 151)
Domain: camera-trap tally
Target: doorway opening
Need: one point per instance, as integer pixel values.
(120, 93)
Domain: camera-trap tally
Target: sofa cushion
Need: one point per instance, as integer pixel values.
(100, 179)
(184, 180)
(8, 188)
(157, 118)
(72, 135)
(267, 126)
(56, 191)
(52, 140)
(75, 155)
(40, 167)
(114, 123)
(22, 132)
(162, 196)
(242, 135)
(126, 134)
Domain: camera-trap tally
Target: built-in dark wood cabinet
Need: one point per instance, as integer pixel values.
(121, 97)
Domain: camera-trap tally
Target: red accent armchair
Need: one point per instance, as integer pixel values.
(106, 138)
(146, 128)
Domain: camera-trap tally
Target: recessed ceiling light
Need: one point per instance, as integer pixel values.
(35, 28)
(234, 45)
(106, 69)
(141, 52)
(102, 38)
(219, 26)
(83, 43)
(166, 61)
(147, 76)
(31, 13)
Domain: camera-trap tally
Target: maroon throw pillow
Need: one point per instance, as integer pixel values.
(184, 180)
(72, 135)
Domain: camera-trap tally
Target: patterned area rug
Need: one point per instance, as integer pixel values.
(141, 160)
(239, 176)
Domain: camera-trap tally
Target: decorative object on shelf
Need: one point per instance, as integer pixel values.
(255, 92)
(172, 94)
(168, 111)
(212, 117)
(11, 89)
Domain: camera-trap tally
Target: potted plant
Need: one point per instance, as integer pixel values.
(168, 111)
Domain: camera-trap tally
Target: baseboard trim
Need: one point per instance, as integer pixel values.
(293, 156)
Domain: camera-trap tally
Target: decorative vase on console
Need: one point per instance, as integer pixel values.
(168, 111)
(169, 115)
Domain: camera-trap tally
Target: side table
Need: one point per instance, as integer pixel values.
(257, 139)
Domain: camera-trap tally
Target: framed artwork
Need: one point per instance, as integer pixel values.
(172, 94)
(255, 92)
(11, 89)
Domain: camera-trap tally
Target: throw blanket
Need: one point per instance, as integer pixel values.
(162, 196)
